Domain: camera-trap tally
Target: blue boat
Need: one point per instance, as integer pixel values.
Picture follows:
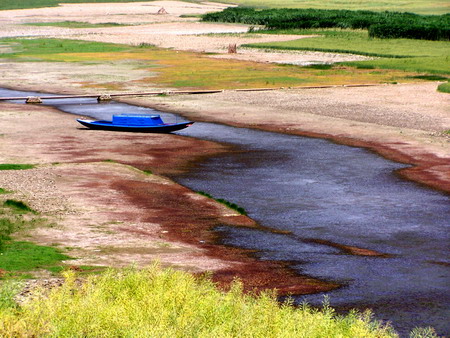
(135, 123)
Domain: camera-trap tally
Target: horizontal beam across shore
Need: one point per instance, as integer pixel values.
(105, 97)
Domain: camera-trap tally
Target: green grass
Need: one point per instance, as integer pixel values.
(17, 259)
(7, 166)
(225, 202)
(168, 68)
(7, 227)
(403, 54)
(414, 6)
(37, 48)
(444, 88)
(168, 303)
(26, 256)
(75, 24)
(4, 191)
(18, 207)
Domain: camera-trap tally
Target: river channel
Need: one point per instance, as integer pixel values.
(322, 193)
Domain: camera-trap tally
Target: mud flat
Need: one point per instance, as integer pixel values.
(405, 123)
(139, 217)
(111, 212)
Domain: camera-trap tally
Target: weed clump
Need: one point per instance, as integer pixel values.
(157, 302)
(18, 207)
(379, 24)
(444, 87)
(7, 166)
(225, 202)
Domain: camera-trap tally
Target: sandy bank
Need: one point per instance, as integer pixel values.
(110, 213)
(405, 123)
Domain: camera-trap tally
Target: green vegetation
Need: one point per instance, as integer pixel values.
(167, 303)
(414, 6)
(405, 54)
(17, 259)
(75, 24)
(379, 24)
(4, 191)
(18, 207)
(168, 68)
(25, 256)
(7, 166)
(7, 227)
(36, 48)
(225, 202)
(444, 88)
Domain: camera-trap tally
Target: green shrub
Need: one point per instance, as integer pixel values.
(168, 303)
(7, 166)
(379, 24)
(18, 206)
(319, 66)
(7, 227)
(422, 31)
(429, 77)
(444, 87)
(8, 291)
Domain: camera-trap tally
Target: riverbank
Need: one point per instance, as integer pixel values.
(139, 217)
(110, 211)
(405, 123)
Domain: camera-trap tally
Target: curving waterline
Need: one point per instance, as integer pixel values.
(327, 198)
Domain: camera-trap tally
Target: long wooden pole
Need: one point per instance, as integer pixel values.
(106, 97)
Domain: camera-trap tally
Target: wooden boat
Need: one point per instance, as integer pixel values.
(135, 123)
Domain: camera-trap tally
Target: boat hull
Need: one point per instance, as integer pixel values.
(106, 125)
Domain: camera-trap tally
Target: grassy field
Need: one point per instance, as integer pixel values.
(402, 54)
(167, 303)
(414, 6)
(173, 69)
(19, 258)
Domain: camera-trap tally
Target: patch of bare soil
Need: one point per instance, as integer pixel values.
(171, 30)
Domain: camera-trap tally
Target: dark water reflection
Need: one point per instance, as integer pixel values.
(319, 190)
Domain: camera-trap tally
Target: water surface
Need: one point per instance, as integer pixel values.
(316, 189)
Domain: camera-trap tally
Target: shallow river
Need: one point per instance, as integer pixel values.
(316, 189)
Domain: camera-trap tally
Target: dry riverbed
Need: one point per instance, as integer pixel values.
(92, 184)
(110, 212)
